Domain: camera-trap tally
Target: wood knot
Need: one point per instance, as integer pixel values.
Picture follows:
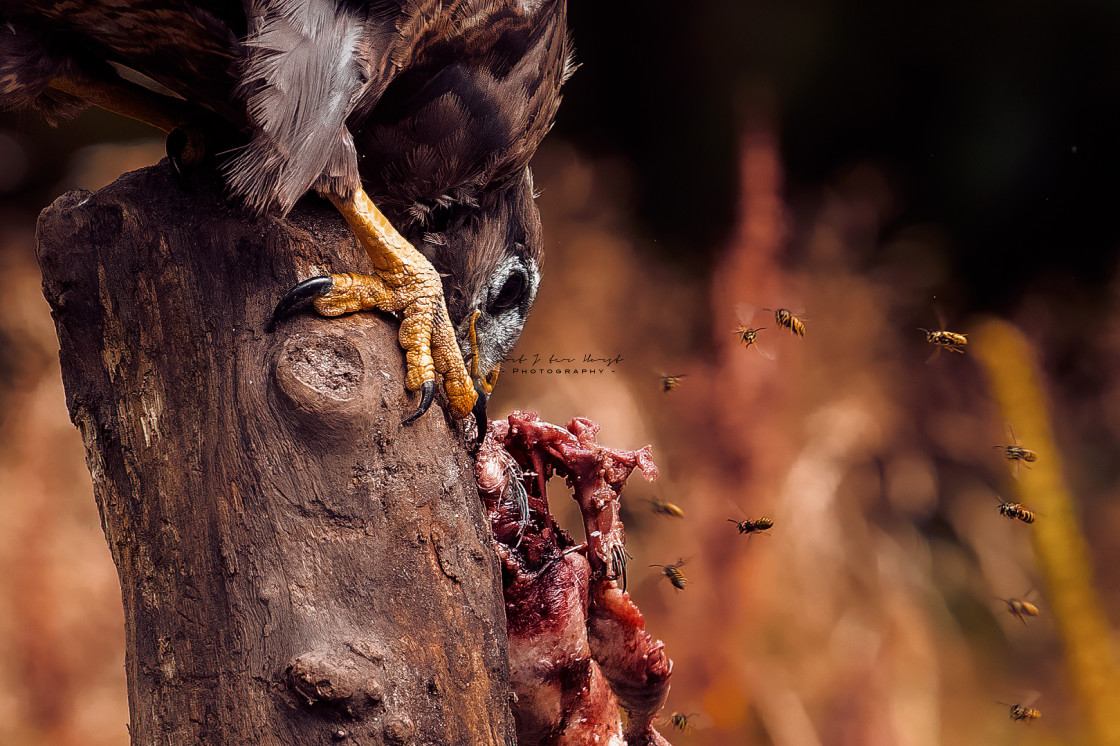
(328, 364)
(343, 684)
(322, 375)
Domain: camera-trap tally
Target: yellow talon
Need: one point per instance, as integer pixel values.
(408, 283)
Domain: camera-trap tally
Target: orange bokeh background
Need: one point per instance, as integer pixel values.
(868, 615)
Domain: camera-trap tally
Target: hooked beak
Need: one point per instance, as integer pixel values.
(483, 383)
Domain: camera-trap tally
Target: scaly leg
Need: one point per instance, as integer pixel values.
(405, 279)
(407, 282)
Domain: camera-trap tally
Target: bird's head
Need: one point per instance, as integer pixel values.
(488, 250)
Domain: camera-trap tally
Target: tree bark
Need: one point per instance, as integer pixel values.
(296, 566)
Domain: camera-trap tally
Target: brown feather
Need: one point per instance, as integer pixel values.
(435, 106)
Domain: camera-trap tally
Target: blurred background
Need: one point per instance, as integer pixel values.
(849, 162)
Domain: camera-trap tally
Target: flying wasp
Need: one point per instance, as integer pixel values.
(682, 722)
(673, 572)
(664, 507)
(668, 383)
(747, 333)
(1020, 608)
(943, 339)
(1024, 712)
(748, 336)
(1017, 453)
(946, 340)
(788, 320)
(1015, 510)
(756, 526)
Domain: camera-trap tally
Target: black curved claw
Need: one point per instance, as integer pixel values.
(479, 412)
(316, 286)
(186, 150)
(427, 394)
(176, 142)
(618, 563)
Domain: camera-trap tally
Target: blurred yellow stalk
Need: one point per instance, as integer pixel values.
(1063, 557)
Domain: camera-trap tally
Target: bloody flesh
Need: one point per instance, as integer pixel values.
(578, 645)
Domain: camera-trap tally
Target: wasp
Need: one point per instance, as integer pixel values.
(664, 507)
(946, 340)
(756, 526)
(1015, 510)
(668, 383)
(788, 320)
(1016, 452)
(1023, 712)
(747, 335)
(943, 339)
(682, 722)
(673, 572)
(1020, 608)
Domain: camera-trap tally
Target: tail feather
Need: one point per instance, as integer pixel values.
(302, 75)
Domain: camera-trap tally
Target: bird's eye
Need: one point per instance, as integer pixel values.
(511, 293)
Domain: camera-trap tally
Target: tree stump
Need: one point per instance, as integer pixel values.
(296, 566)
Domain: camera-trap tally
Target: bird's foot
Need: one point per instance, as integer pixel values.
(405, 282)
(426, 333)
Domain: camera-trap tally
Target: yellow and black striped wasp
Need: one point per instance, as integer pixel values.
(682, 722)
(1021, 608)
(664, 507)
(749, 336)
(1016, 453)
(674, 574)
(943, 339)
(786, 319)
(1015, 510)
(668, 383)
(1024, 712)
(746, 333)
(755, 526)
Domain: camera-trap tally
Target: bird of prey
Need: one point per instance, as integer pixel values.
(430, 108)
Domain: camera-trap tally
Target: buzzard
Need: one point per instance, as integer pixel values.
(431, 109)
